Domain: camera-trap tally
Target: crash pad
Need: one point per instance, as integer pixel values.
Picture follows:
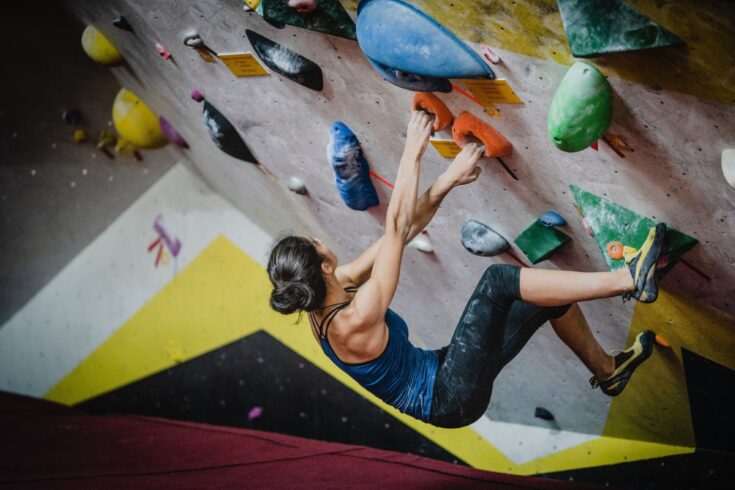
(610, 222)
(581, 109)
(402, 37)
(224, 134)
(286, 62)
(538, 241)
(99, 48)
(351, 170)
(135, 122)
(611, 26)
(329, 17)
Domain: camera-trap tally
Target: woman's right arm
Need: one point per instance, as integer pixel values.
(374, 297)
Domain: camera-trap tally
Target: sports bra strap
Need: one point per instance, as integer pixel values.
(321, 328)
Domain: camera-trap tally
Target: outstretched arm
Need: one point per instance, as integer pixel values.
(463, 170)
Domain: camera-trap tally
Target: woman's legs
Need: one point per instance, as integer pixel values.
(554, 288)
(573, 329)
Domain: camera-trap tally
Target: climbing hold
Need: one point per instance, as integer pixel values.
(297, 185)
(612, 26)
(480, 239)
(611, 222)
(124, 148)
(662, 341)
(72, 116)
(224, 134)
(253, 4)
(106, 139)
(410, 81)
(330, 17)
(615, 250)
(99, 48)
(122, 23)
(135, 122)
(490, 55)
(544, 414)
(467, 124)
(80, 135)
(631, 250)
(402, 37)
(173, 243)
(581, 109)
(351, 171)
(303, 6)
(162, 51)
(193, 39)
(552, 218)
(284, 61)
(197, 95)
(728, 166)
(422, 243)
(171, 134)
(255, 412)
(432, 104)
(538, 242)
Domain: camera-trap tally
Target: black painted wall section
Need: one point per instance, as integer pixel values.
(297, 398)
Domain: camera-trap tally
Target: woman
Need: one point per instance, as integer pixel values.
(450, 387)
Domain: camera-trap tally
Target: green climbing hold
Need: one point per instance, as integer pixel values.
(329, 17)
(539, 241)
(610, 222)
(610, 26)
(581, 109)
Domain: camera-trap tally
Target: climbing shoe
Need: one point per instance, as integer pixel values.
(625, 363)
(642, 266)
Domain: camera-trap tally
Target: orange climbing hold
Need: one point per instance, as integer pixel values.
(467, 124)
(615, 250)
(661, 340)
(432, 104)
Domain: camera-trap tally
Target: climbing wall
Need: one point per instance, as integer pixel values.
(672, 108)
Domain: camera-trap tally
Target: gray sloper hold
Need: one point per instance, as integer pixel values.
(482, 240)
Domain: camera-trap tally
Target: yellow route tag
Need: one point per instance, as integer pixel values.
(491, 92)
(446, 148)
(243, 64)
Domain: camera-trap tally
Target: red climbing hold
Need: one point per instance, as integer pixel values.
(162, 51)
(662, 341)
(432, 104)
(467, 124)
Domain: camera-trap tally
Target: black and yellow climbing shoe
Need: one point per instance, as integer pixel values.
(642, 265)
(625, 363)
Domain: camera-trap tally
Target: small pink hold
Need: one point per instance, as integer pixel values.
(490, 55)
(162, 51)
(197, 95)
(303, 6)
(255, 412)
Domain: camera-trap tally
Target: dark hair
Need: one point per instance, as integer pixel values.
(294, 268)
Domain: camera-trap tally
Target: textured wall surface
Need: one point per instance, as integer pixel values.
(676, 128)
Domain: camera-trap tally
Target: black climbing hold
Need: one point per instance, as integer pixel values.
(542, 413)
(482, 240)
(224, 134)
(122, 23)
(72, 116)
(286, 62)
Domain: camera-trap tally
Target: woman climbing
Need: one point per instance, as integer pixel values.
(449, 387)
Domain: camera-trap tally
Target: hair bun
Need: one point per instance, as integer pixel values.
(289, 296)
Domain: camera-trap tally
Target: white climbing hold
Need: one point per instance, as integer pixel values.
(422, 243)
(728, 166)
(296, 185)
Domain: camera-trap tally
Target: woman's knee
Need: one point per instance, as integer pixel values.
(502, 281)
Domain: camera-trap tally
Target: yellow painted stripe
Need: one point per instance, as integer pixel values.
(222, 296)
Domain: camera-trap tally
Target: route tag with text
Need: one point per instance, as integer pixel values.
(446, 148)
(243, 64)
(491, 92)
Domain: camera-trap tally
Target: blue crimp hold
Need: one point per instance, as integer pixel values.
(351, 171)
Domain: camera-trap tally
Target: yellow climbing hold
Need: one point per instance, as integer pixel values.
(80, 135)
(253, 4)
(135, 122)
(99, 48)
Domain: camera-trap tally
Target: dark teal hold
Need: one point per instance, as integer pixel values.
(551, 218)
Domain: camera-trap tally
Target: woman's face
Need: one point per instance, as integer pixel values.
(323, 250)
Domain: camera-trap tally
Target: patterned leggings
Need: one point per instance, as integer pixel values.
(494, 327)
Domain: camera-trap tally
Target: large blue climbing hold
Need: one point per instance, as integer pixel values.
(402, 37)
(351, 171)
(417, 83)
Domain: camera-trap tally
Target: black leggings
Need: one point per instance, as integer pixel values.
(494, 327)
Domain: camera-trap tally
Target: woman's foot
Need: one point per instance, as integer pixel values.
(642, 266)
(625, 364)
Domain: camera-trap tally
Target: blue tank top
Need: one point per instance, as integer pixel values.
(402, 376)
